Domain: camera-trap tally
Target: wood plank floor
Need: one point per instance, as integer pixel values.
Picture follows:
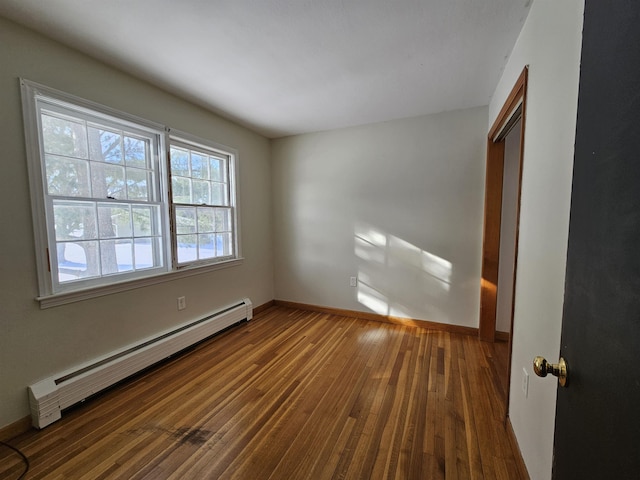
(292, 395)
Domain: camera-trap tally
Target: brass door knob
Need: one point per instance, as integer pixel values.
(541, 368)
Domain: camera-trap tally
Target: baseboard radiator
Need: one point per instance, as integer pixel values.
(49, 397)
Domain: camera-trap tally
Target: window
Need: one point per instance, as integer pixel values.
(201, 194)
(101, 200)
(111, 206)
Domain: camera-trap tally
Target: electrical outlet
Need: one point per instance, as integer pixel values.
(353, 281)
(182, 303)
(525, 382)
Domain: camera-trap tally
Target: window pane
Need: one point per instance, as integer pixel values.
(77, 260)
(74, 220)
(199, 166)
(200, 192)
(135, 152)
(138, 182)
(185, 220)
(223, 245)
(219, 194)
(181, 189)
(223, 220)
(67, 176)
(114, 221)
(187, 248)
(145, 250)
(218, 173)
(116, 256)
(179, 162)
(107, 180)
(206, 246)
(105, 146)
(144, 221)
(64, 137)
(206, 221)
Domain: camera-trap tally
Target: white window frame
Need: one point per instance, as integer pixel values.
(185, 140)
(52, 292)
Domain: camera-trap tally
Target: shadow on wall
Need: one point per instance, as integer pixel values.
(399, 279)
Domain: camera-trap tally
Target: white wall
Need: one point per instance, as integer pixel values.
(36, 343)
(397, 204)
(550, 44)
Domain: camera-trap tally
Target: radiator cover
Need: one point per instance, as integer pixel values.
(50, 396)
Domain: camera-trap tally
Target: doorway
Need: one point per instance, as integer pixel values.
(505, 146)
(508, 230)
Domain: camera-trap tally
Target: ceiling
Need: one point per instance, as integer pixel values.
(284, 67)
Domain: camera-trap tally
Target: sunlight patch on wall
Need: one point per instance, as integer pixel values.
(400, 252)
(436, 266)
(373, 299)
(372, 236)
(368, 251)
(396, 277)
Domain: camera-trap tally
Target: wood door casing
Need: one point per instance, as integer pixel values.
(516, 101)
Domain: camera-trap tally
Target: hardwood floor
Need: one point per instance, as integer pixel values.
(292, 395)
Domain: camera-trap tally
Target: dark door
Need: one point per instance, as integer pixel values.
(597, 432)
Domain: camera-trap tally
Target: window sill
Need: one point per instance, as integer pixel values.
(80, 295)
